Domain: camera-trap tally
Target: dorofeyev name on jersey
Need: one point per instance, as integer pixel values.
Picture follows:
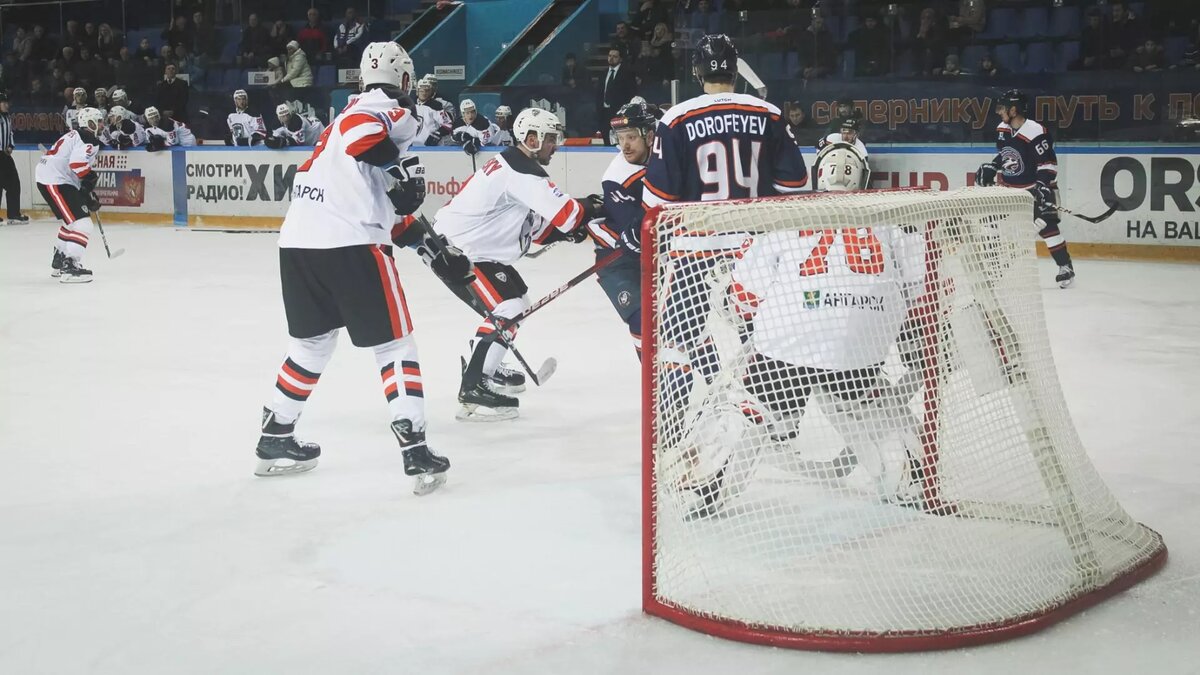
(728, 123)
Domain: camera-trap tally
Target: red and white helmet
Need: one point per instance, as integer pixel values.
(386, 63)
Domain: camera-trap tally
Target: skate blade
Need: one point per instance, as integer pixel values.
(1066, 283)
(268, 468)
(428, 482)
(474, 413)
(68, 279)
(55, 274)
(507, 389)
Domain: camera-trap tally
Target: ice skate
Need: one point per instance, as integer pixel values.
(508, 380)
(1066, 275)
(74, 273)
(419, 461)
(56, 263)
(279, 453)
(482, 403)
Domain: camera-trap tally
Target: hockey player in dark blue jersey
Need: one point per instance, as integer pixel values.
(1026, 160)
(621, 226)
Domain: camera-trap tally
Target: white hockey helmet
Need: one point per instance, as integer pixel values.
(431, 79)
(241, 94)
(80, 95)
(99, 91)
(91, 119)
(119, 97)
(841, 167)
(467, 104)
(424, 84)
(152, 115)
(537, 121)
(503, 111)
(118, 112)
(283, 111)
(386, 63)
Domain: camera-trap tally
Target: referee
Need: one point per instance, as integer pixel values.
(10, 181)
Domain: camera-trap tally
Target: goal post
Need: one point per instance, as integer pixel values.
(854, 437)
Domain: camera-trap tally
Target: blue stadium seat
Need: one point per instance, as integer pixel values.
(1035, 22)
(849, 58)
(772, 65)
(1065, 20)
(834, 24)
(233, 79)
(971, 56)
(850, 24)
(1068, 52)
(229, 52)
(1039, 57)
(1009, 56)
(1174, 49)
(326, 76)
(905, 63)
(1002, 22)
(791, 64)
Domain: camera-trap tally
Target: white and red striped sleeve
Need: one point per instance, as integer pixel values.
(540, 195)
(83, 158)
(361, 131)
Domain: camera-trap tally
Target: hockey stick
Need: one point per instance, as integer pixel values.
(549, 366)
(542, 251)
(99, 226)
(573, 282)
(1112, 208)
(752, 78)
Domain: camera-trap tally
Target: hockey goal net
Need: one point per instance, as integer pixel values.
(854, 434)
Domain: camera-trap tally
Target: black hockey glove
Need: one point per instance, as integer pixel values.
(985, 175)
(577, 235)
(434, 138)
(93, 201)
(156, 143)
(631, 239)
(409, 193)
(1043, 202)
(124, 143)
(274, 142)
(593, 207)
(449, 263)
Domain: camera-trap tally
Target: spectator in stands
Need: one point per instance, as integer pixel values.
(615, 89)
(627, 41)
(145, 53)
(16, 75)
(872, 44)
(1148, 58)
(970, 19)
(126, 68)
(90, 69)
(297, 76)
(989, 67)
(177, 33)
(816, 49)
(1191, 57)
(658, 64)
(256, 43)
(281, 35)
(22, 42)
(166, 54)
(1123, 35)
(649, 14)
(69, 58)
(703, 18)
(171, 95)
(951, 67)
(573, 75)
(206, 42)
(312, 37)
(188, 64)
(350, 39)
(929, 43)
(38, 95)
(108, 44)
(73, 35)
(42, 47)
(799, 126)
(90, 37)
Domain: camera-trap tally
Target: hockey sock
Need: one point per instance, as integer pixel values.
(401, 374)
(73, 238)
(1055, 242)
(496, 350)
(298, 375)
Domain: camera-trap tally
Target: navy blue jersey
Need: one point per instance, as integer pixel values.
(623, 210)
(1026, 156)
(722, 146)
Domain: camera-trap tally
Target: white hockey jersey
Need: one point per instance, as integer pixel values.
(337, 200)
(172, 132)
(71, 117)
(432, 120)
(509, 203)
(68, 161)
(832, 299)
(300, 130)
(483, 129)
(243, 127)
(127, 134)
(503, 137)
(836, 137)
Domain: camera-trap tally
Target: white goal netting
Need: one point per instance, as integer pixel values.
(857, 437)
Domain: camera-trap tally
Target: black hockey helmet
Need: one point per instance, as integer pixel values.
(1014, 98)
(715, 55)
(851, 123)
(640, 115)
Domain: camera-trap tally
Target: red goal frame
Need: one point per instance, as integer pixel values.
(835, 641)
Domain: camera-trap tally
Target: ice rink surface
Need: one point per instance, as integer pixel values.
(135, 539)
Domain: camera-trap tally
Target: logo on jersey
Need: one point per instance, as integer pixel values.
(501, 277)
(1011, 163)
(624, 298)
(812, 299)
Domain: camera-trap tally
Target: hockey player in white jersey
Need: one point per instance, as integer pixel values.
(822, 310)
(841, 166)
(294, 129)
(848, 132)
(435, 126)
(476, 130)
(507, 205)
(504, 119)
(336, 268)
(164, 132)
(427, 95)
(102, 100)
(66, 179)
(121, 98)
(71, 112)
(245, 127)
(124, 132)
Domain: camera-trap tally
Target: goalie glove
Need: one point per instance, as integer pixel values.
(409, 193)
(985, 175)
(449, 263)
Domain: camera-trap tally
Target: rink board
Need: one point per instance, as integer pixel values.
(1157, 187)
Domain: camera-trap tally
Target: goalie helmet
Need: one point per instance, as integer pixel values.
(91, 119)
(386, 63)
(641, 116)
(152, 115)
(537, 121)
(841, 168)
(715, 55)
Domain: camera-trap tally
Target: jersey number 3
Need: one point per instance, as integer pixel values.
(719, 174)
